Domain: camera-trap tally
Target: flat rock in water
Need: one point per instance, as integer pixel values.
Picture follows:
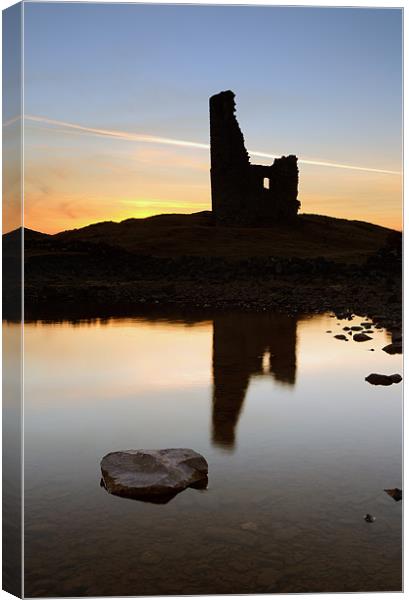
(378, 379)
(394, 348)
(153, 475)
(395, 493)
(361, 337)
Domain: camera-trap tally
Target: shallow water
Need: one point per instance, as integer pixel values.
(299, 448)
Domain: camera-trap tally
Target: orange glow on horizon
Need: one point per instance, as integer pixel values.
(53, 225)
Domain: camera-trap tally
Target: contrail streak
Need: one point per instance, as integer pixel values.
(151, 139)
(121, 135)
(321, 163)
(11, 121)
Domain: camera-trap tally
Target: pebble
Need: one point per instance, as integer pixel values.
(369, 518)
(393, 348)
(361, 337)
(379, 379)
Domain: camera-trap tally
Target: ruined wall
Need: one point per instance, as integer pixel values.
(242, 193)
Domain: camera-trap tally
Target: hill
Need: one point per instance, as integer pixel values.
(195, 235)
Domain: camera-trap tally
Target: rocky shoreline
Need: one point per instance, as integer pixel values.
(369, 295)
(81, 278)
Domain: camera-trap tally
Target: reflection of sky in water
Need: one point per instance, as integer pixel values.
(141, 364)
(279, 408)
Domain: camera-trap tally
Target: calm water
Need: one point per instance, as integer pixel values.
(299, 448)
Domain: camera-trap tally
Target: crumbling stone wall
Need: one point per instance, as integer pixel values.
(245, 194)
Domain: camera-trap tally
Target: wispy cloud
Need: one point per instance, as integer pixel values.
(151, 139)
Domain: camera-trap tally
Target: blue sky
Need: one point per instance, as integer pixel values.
(322, 83)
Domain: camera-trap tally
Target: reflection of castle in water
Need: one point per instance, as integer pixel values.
(243, 346)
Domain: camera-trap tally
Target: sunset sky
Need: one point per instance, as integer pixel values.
(113, 92)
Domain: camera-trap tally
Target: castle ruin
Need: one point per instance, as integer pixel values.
(244, 194)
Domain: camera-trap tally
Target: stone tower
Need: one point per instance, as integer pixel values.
(244, 194)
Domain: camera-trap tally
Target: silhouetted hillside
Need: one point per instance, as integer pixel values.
(194, 235)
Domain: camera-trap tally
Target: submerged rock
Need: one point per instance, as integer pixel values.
(361, 337)
(395, 493)
(153, 475)
(394, 348)
(378, 379)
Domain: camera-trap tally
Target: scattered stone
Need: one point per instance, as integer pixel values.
(346, 328)
(361, 337)
(367, 324)
(378, 379)
(356, 328)
(329, 331)
(395, 493)
(369, 518)
(341, 336)
(345, 315)
(394, 348)
(153, 475)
